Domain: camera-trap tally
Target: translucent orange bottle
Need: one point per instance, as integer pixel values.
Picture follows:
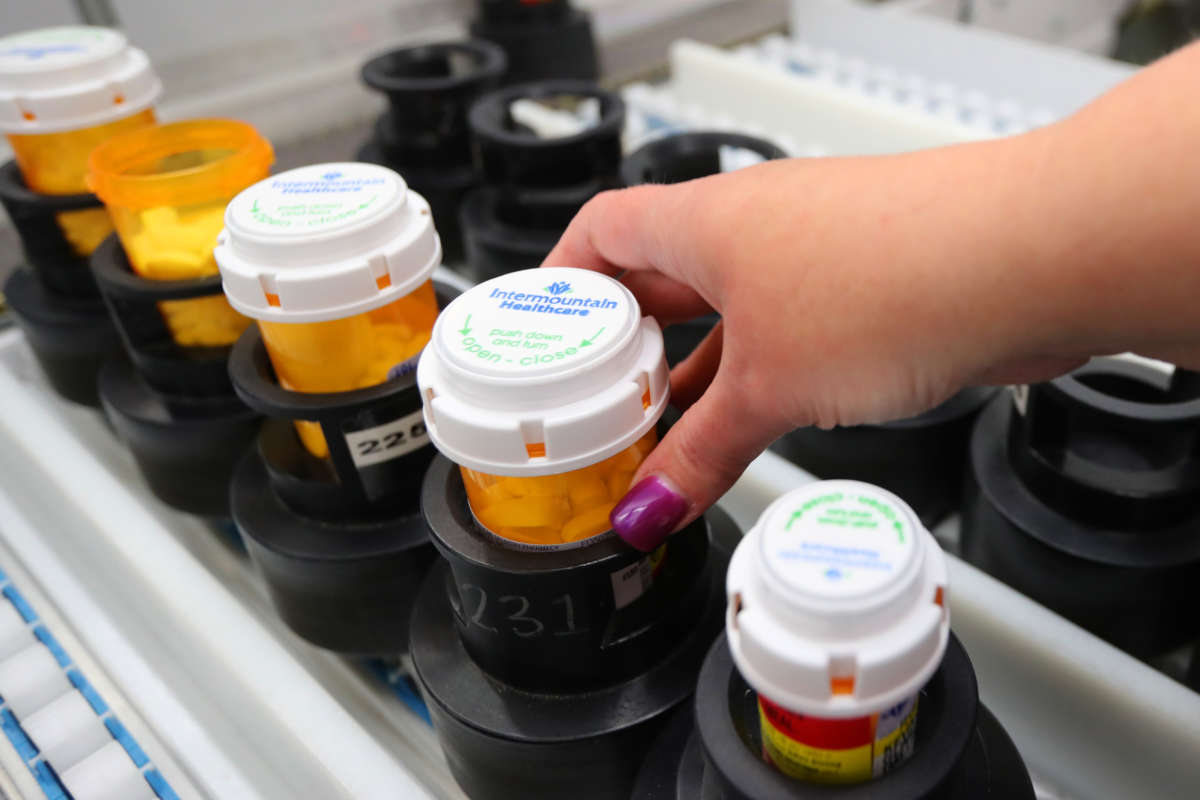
(334, 261)
(63, 91)
(166, 188)
(544, 386)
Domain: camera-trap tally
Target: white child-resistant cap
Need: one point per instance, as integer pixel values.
(837, 601)
(542, 371)
(325, 242)
(69, 78)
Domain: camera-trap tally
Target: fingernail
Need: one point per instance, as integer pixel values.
(648, 513)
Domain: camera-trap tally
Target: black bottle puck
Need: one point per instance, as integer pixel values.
(548, 674)
(185, 447)
(712, 750)
(58, 267)
(133, 301)
(70, 337)
(1084, 494)
(922, 459)
(424, 133)
(534, 186)
(340, 542)
(543, 40)
(173, 405)
(684, 157)
(346, 585)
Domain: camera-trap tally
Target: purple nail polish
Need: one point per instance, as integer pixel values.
(648, 513)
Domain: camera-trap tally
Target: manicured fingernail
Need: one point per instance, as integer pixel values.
(648, 513)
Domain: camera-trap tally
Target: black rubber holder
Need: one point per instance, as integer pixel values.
(675, 159)
(712, 750)
(133, 302)
(345, 585)
(538, 684)
(1084, 494)
(173, 405)
(543, 40)
(70, 337)
(186, 447)
(921, 459)
(340, 542)
(424, 134)
(533, 187)
(59, 269)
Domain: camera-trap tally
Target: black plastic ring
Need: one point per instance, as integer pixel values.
(14, 191)
(489, 63)
(117, 279)
(511, 156)
(673, 159)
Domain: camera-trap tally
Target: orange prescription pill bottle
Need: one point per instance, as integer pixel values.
(63, 91)
(166, 188)
(544, 386)
(837, 618)
(335, 263)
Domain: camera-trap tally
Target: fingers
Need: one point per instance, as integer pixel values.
(1031, 370)
(666, 299)
(696, 463)
(692, 376)
(643, 228)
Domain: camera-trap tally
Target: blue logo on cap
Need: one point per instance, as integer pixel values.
(332, 176)
(559, 287)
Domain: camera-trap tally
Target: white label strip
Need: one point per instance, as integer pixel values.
(390, 440)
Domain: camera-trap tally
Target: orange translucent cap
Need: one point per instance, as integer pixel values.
(179, 164)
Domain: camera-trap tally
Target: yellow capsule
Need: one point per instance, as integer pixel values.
(588, 524)
(582, 498)
(618, 482)
(526, 512)
(588, 493)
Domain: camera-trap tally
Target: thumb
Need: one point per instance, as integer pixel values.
(696, 462)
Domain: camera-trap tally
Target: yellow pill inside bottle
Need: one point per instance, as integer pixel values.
(545, 387)
(555, 509)
(166, 188)
(63, 92)
(334, 262)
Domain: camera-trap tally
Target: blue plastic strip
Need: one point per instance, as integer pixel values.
(402, 687)
(94, 700)
(131, 747)
(19, 602)
(52, 644)
(12, 729)
(160, 786)
(44, 772)
(47, 778)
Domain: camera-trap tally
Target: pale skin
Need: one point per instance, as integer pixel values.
(860, 290)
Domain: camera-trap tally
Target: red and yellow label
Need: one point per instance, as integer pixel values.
(837, 750)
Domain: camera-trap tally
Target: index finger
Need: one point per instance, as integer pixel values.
(618, 230)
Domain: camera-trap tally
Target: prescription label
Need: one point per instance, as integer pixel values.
(635, 580)
(837, 750)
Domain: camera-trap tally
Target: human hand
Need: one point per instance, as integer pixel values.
(849, 294)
